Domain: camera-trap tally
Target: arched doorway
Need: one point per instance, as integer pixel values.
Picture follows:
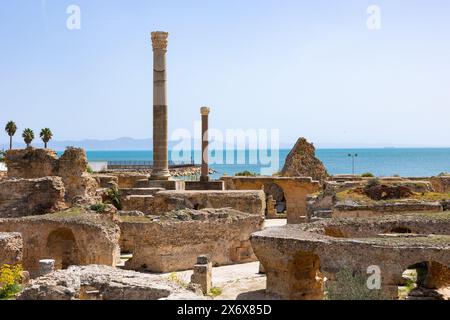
(61, 246)
(424, 281)
(276, 200)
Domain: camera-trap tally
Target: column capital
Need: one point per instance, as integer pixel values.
(204, 111)
(159, 40)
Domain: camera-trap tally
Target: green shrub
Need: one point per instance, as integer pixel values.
(215, 292)
(443, 174)
(114, 197)
(89, 169)
(372, 183)
(2, 156)
(367, 175)
(351, 286)
(10, 281)
(99, 207)
(245, 173)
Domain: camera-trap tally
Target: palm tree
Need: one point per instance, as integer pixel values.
(10, 129)
(46, 135)
(28, 136)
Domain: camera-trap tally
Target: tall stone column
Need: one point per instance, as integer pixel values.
(204, 111)
(160, 129)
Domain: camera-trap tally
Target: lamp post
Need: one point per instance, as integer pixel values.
(353, 156)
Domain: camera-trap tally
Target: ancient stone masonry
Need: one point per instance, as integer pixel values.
(365, 197)
(295, 191)
(106, 181)
(97, 282)
(69, 239)
(252, 201)
(347, 209)
(302, 162)
(299, 258)
(25, 197)
(10, 248)
(441, 183)
(202, 274)
(31, 163)
(129, 179)
(173, 241)
(79, 184)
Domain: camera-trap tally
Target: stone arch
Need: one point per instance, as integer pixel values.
(306, 278)
(276, 198)
(62, 247)
(423, 277)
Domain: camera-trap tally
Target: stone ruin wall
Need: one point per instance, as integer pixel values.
(10, 248)
(23, 197)
(174, 245)
(352, 210)
(441, 184)
(70, 241)
(326, 204)
(164, 201)
(71, 167)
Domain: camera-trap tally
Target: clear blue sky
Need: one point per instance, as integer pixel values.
(309, 68)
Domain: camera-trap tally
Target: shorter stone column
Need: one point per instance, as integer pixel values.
(202, 275)
(204, 111)
(46, 266)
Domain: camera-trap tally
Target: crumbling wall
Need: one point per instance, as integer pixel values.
(77, 240)
(106, 181)
(246, 201)
(441, 184)
(129, 179)
(154, 202)
(26, 197)
(97, 282)
(349, 209)
(31, 163)
(80, 185)
(173, 241)
(72, 166)
(10, 248)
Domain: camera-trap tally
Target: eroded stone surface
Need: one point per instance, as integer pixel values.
(172, 241)
(70, 238)
(302, 162)
(297, 258)
(25, 197)
(96, 282)
(10, 248)
(30, 163)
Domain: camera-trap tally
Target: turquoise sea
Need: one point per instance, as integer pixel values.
(382, 162)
